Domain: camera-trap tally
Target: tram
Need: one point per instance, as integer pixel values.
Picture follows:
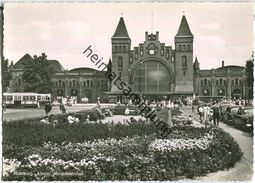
(25, 99)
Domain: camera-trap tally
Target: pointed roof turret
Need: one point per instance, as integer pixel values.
(121, 30)
(184, 29)
(196, 61)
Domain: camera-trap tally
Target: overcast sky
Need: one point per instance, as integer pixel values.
(222, 31)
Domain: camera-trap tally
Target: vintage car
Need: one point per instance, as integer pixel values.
(244, 119)
(230, 112)
(223, 108)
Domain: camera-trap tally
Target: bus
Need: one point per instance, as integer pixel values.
(25, 99)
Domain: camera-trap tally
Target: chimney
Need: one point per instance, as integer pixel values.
(222, 63)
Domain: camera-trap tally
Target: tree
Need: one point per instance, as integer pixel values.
(249, 73)
(37, 75)
(6, 75)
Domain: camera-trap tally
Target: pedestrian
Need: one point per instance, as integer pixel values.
(200, 112)
(206, 113)
(126, 111)
(47, 108)
(62, 108)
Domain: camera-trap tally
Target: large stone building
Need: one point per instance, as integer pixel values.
(152, 69)
(76, 84)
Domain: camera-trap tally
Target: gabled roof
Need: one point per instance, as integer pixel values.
(25, 59)
(184, 29)
(121, 30)
(56, 66)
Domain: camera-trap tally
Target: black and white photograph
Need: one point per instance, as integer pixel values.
(127, 91)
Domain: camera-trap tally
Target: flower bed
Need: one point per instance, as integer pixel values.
(111, 151)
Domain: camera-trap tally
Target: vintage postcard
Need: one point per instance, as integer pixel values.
(127, 91)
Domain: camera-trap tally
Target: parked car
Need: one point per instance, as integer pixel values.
(230, 112)
(223, 108)
(244, 119)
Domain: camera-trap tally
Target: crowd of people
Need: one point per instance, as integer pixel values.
(209, 113)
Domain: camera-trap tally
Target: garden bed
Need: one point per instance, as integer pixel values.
(113, 151)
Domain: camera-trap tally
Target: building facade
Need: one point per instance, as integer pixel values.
(75, 84)
(153, 69)
(225, 81)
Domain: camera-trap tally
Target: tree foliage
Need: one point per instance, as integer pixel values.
(6, 75)
(249, 71)
(37, 75)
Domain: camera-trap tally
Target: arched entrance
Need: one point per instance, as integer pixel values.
(88, 95)
(152, 78)
(221, 92)
(236, 93)
(250, 93)
(206, 92)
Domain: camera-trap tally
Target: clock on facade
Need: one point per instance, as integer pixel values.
(151, 49)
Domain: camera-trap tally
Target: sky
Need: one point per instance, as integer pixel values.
(222, 31)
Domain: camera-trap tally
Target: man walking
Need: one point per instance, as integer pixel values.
(47, 108)
(216, 114)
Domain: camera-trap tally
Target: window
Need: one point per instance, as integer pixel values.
(84, 83)
(201, 82)
(184, 62)
(162, 50)
(120, 64)
(124, 48)
(240, 82)
(141, 51)
(209, 82)
(167, 53)
(220, 82)
(120, 48)
(88, 82)
(225, 82)
(136, 54)
(180, 48)
(70, 83)
(188, 48)
(59, 82)
(236, 81)
(73, 82)
(217, 82)
(115, 48)
(25, 97)
(19, 81)
(232, 82)
(56, 83)
(184, 47)
(205, 82)
(131, 58)
(77, 83)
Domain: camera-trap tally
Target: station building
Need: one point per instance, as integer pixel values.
(152, 69)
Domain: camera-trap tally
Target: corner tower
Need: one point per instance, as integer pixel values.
(120, 53)
(184, 58)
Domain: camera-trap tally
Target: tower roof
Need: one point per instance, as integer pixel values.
(121, 30)
(196, 61)
(184, 29)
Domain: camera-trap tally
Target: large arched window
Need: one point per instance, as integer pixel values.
(120, 64)
(152, 77)
(184, 62)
